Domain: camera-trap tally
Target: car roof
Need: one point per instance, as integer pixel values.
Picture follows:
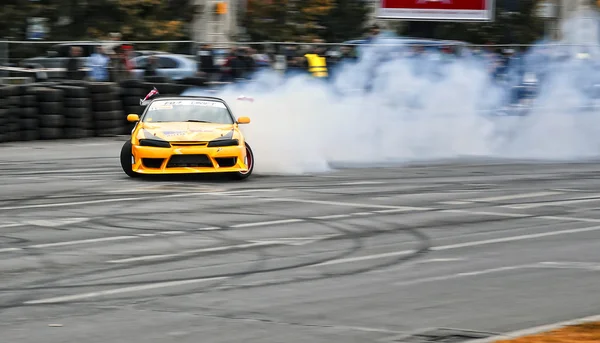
(187, 97)
(183, 97)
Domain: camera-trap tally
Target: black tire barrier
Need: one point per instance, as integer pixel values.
(67, 109)
(77, 111)
(51, 118)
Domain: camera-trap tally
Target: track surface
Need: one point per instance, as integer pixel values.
(352, 256)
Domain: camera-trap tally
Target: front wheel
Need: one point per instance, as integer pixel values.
(249, 161)
(127, 160)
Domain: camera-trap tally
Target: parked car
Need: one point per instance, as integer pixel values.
(172, 66)
(58, 54)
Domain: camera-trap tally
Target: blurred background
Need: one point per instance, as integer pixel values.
(225, 40)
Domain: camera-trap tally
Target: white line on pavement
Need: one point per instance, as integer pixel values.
(553, 203)
(515, 238)
(487, 213)
(212, 228)
(10, 249)
(112, 200)
(436, 260)
(297, 220)
(333, 216)
(462, 245)
(347, 204)
(454, 202)
(272, 222)
(514, 196)
(11, 225)
(394, 210)
(464, 274)
(84, 241)
(198, 251)
(121, 290)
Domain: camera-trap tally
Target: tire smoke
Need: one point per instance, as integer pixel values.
(432, 107)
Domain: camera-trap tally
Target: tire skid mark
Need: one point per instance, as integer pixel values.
(355, 236)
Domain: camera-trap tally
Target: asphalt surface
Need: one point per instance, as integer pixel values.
(356, 255)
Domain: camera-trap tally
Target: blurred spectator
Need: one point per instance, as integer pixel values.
(347, 54)
(249, 62)
(73, 66)
(128, 55)
(261, 60)
(226, 69)
(316, 59)
(373, 33)
(98, 64)
(112, 47)
(234, 67)
(296, 65)
(290, 52)
(337, 59)
(206, 61)
(150, 67)
(239, 65)
(120, 68)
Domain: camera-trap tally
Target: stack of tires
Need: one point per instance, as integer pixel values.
(29, 115)
(51, 109)
(131, 93)
(10, 118)
(3, 113)
(107, 109)
(79, 120)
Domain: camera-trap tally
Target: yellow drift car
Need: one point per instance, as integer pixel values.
(184, 134)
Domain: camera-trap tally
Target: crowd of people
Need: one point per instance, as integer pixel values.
(113, 61)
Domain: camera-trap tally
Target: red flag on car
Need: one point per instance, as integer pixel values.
(152, 93)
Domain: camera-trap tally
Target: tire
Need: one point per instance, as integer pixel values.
(52, 120)
(102, 97)
(29, 101)
(77, 103)
(250, 161)
(50, 133)
(107, 106)
(50, 107)
(126, 155)
(29, 124)
(102, 87)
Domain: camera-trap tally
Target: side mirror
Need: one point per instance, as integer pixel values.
(243, 120)
(133, 118)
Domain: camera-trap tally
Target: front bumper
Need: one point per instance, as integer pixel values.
(188, 159)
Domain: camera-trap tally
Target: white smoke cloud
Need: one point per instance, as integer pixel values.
(301, 125)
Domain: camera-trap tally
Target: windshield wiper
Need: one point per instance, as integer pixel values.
(197, 121)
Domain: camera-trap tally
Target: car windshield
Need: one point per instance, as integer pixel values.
(203, 111)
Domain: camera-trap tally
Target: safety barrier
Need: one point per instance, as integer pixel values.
(76, 109)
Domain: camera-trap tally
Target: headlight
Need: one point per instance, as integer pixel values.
(223, 142)
(154, 143)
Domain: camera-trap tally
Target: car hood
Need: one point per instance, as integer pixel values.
(185, 132)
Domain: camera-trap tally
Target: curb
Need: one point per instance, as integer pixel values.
(538, 329)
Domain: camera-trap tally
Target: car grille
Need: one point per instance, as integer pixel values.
(189, 161)
(189, 143)
(152, 162)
